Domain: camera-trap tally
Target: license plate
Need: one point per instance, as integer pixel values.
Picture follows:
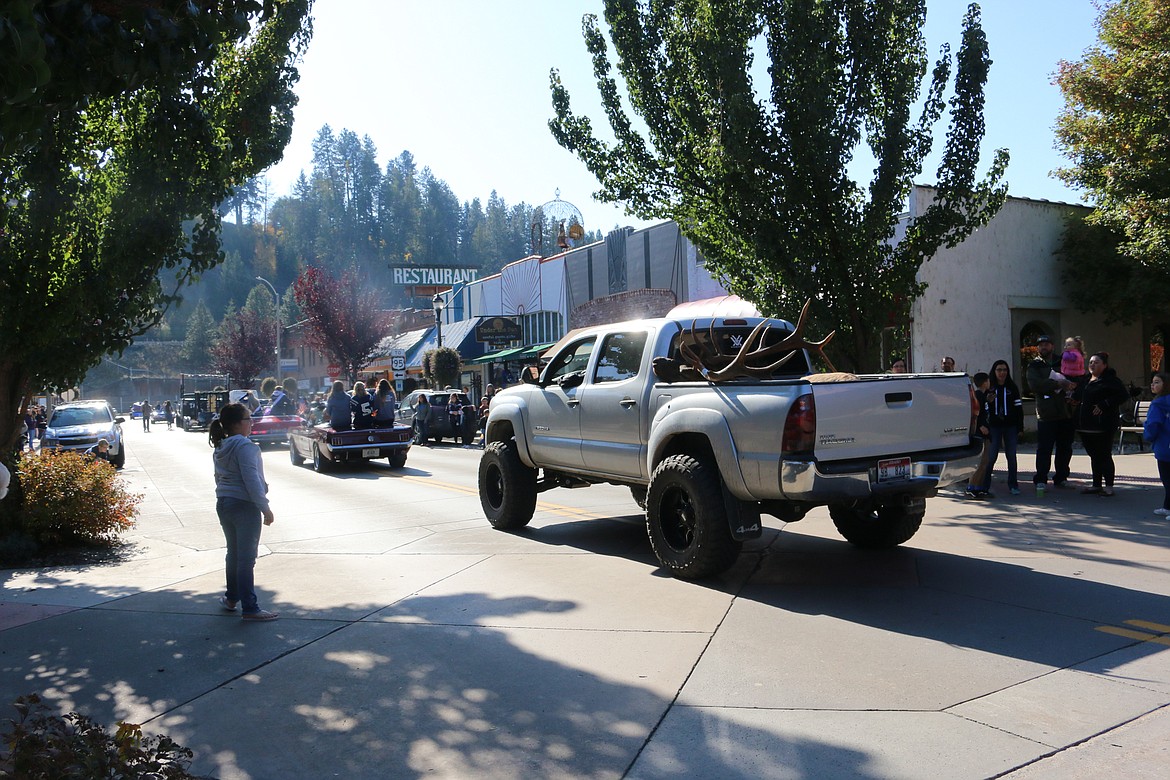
(370, 453)
(893, 469)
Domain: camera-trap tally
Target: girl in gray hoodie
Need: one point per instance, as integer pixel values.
(241, 500)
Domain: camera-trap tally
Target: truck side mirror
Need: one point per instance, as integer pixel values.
(530, 375)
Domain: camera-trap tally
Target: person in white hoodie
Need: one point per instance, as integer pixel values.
(241, 501)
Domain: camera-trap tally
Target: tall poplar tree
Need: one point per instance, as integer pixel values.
(756, 175)
(1115, 127)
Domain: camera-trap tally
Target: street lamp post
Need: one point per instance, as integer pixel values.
(275, 376)
(437, 302)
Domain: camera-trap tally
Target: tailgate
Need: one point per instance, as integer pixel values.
(891, 414)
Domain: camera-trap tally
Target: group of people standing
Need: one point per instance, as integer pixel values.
(1074, 396)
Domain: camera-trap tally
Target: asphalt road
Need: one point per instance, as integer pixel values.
(1023, 637)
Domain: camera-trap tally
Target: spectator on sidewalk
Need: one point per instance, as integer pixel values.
(146, 410)
(947, 364)
(241, 502)
(981, 381)
(100, 451)
(1157, 431)
(1005, 420)
(1097, 419)
(1055, 428)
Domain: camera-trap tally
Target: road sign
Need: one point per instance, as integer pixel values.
(398, 363)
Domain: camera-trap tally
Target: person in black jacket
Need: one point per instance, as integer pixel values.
(1005, 421)
(1097, 418)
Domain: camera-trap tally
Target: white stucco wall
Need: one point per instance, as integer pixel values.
(981, 292)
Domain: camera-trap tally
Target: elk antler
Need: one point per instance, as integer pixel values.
(717, 366)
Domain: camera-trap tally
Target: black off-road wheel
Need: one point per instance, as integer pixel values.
(878, 526)
(119, 460)
(686, 520)
(321, 464)
(396, 459)
(295, 455)
(507, 488)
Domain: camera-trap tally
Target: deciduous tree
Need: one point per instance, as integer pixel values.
(345, 317)
(244, 349)
(757, 175)
(1115, 127)
(138, 119)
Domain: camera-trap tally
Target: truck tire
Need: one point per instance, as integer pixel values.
(639, 494)
(468, 433)
(396, 459)
(321, 464)
(686, 521)
(507, 488)
(877, 526)
(119, 460)
(295, 455)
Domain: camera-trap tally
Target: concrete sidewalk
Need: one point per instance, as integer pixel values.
(419, 642)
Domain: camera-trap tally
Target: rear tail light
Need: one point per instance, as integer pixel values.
(800, 426)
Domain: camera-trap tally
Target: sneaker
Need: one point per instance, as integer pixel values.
(1091, 490)
(1015, 491)
(1107, 492)
(261, 615)
(229, 606)
(1162, 511)
(985, 494)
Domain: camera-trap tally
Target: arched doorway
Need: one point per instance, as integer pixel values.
(1027, 350)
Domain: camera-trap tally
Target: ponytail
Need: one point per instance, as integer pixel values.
(215, 433)
(229, 416)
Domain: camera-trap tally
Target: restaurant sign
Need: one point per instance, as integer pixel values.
(428, 276)
(498, 329)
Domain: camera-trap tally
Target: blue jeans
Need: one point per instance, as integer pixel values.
(241, 523)
(1003, 437)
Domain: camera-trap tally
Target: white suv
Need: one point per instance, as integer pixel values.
(78, 426)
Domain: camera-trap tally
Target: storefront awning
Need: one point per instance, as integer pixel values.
(492, 357)
(536, 350)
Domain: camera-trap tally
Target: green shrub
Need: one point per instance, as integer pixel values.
(44, 746)
(69, 497)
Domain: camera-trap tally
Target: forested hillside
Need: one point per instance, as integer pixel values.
(348, 209)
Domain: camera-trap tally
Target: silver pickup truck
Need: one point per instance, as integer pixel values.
(712, 422)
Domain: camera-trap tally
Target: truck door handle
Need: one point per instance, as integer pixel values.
(899, 400)
(572, 402)
(627, 402)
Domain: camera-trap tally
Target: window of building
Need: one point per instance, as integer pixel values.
(541, 327)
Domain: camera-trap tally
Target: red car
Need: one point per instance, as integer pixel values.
(273, 428)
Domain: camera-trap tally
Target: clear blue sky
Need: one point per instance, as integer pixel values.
(463, 86)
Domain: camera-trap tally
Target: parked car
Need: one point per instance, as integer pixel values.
(440, 421)
(326, 447)
(79, 424)
(136, 410)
